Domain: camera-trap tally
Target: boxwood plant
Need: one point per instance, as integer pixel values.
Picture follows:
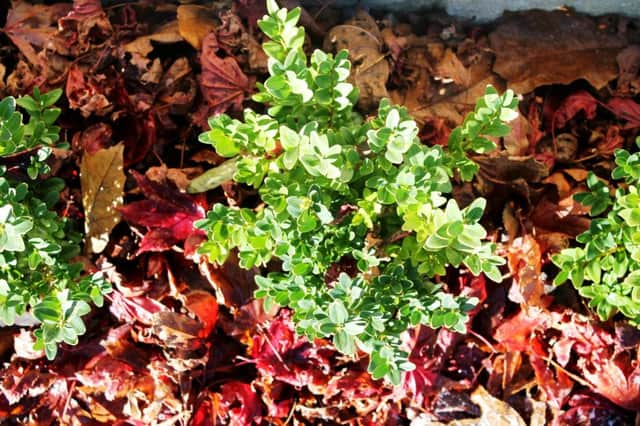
(36, 245)
(605, 266)
(355, 214)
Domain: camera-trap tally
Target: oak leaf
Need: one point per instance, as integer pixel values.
(102, 181)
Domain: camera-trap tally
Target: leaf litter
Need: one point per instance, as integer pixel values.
(183, 342)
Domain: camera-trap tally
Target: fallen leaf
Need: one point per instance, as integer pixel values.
(517, 141)
(102, 180)
(504, 168)
(494, 411)
(32, 26)
(559, 180)
(566, 216)
(236, 40)
(88, 23)
(524, 259)
(168, 213)
(93, 138)
(168, 33)
(205, 307)
(223, 84)
(176, 330)
(238, 404)
(86, 93)
(627, 109)
(361, 37)
(572, 105)
(629, 64)
(579, 175)
(611, 142)
(536, 48)
(451, 68)
(136, 308)
(452, 108)
(194, 23)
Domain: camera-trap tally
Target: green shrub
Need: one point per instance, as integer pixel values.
(36, 244)
(605, 268)
(355, 212)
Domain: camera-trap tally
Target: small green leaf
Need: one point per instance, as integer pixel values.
(338, 313)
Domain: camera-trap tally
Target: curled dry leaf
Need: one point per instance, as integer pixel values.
(87, 93)
(102, 180)
(572, 105)
(525, 264)
(205, 306)
(450, 68)
(361, 37)
(627, 109)
(88, 23)
(34, 26)
(502, 167)
(536, 48)
(629, 65)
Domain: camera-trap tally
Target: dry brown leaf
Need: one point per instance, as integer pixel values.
(501, 167)
(32, 26)
(361, 37)
(494, 411)
(560, 181)
(102, 180)
(629, 65)
(452, 108)
(176, 330)
(579, 175)
(451, 68)
(536, 48)
(524, 258)
(194, 23)
(168, 33)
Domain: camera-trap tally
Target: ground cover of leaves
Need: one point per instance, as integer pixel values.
(183, 342)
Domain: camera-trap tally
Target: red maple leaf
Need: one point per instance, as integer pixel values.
(610, 370)
(627, 109)
(280, 353)
(168, 214)
(572, 105)
(239, 402)
(223, 84)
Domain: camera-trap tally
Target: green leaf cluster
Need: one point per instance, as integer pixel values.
(36, 245)
(356, 214)
(605, 267)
